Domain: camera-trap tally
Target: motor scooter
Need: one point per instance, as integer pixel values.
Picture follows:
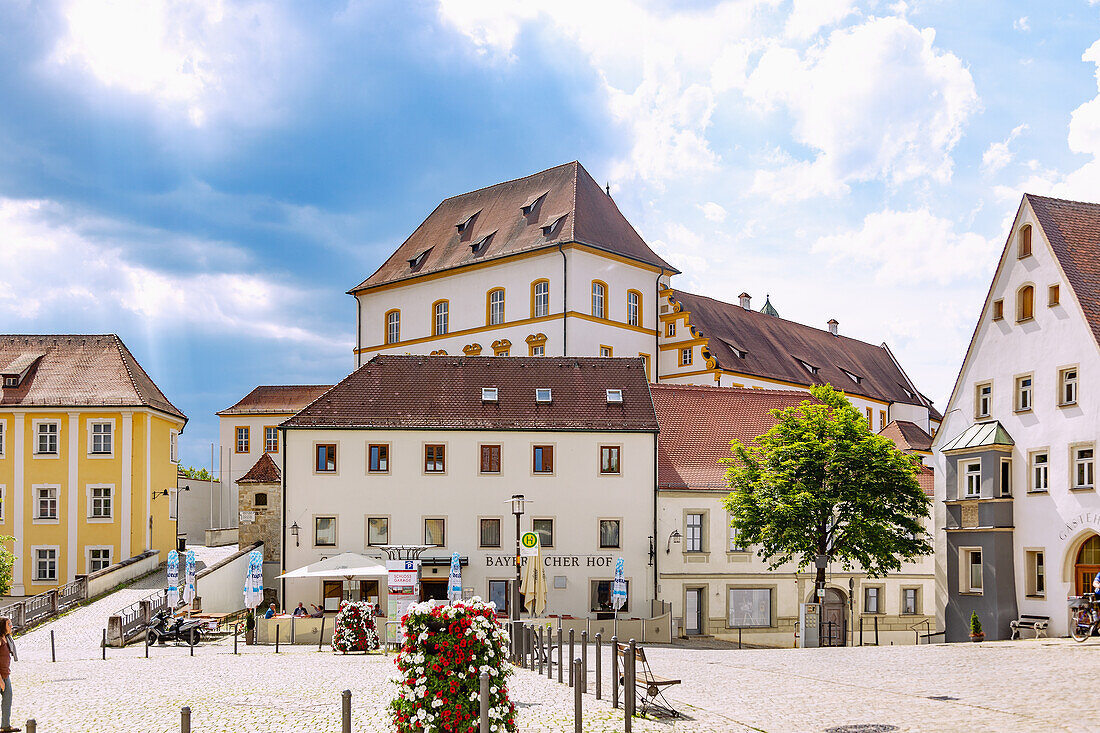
(165, 627)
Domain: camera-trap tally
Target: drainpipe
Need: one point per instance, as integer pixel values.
(564, 301)
(282, 544)
(358, 328)
(656, 554)
(657, 336)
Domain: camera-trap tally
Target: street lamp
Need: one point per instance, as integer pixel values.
(294, 529)
(674, 537)
(517, 502)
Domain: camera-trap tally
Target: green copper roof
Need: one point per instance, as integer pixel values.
(979, 435)
(769, 309)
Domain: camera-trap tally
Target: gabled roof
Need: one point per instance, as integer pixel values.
(1073, 230)
(980, 435)
(78, 370)
(263, 471)
(519, 214)
(445, 393)
(757, 344)
(907, 436)
(698, 423)
(277, 399)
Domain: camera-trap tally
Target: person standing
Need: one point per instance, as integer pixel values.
(7, 654)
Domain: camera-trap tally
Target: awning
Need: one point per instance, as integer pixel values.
(348, 565)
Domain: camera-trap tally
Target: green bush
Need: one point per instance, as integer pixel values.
(975, 623)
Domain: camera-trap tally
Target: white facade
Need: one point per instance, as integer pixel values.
(239, 456)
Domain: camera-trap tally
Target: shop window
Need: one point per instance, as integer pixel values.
(601, 597)
(750, 607)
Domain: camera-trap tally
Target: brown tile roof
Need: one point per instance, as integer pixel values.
(773, 347)
(907, 436)
(1073, 230)
(698, 423)
(927, 480)
(444, 392)
(78, 370)
(515, 216)
(283, 398)
(264, 471)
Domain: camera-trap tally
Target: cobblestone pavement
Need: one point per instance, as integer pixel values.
(1045, 685)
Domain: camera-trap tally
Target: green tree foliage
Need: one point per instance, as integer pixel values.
(7, 563)
(821, 483)
(200, 474)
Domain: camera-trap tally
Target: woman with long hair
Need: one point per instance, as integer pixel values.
(7, 654)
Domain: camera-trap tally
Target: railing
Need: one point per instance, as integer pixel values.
(34, 610)
(124, 625)
(71, 594)
(928, 633)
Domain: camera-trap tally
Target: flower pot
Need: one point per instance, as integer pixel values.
(250, 636)
(977, 637)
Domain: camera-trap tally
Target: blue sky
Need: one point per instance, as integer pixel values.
(208, 178)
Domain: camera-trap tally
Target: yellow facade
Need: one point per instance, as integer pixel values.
(138, 466)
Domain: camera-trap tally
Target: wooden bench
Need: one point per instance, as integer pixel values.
(1038, 624)
(648, 686)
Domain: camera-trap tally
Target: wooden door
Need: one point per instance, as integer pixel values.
(1087, 565)
(834, 619)
(333, 591)
(1085, 574)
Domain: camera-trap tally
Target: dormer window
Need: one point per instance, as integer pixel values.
(417, 261)
(11, 381)
(468, 222)
(808, 367)
(480, 245)
(615, 396)
(542, 394)
(854, 377)
(551, 226)
(533, 204)
(488, 394)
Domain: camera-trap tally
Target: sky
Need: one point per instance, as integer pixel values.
(208, 178)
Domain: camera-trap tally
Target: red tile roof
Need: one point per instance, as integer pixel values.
(698, 423)
(78, 370)
(514, 216)
(444, 393)
(773, 347)
(277, 399)
(264, 471)
(907, 436)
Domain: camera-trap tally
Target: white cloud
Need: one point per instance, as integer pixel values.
(809, 16)
(1021, 24)
(907, 247)
(713, 212)
(997, 156)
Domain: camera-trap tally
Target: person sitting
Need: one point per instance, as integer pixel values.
(270, 611)
(318, 612)
(301, 610)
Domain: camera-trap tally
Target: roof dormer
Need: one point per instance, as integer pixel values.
(552, 225)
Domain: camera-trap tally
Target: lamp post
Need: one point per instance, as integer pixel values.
(294, 529)
(517, 509)
(674, 537)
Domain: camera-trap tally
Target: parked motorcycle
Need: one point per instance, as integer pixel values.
(1085, 616)
(164, 627)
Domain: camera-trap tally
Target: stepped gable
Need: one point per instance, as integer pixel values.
(556, 206)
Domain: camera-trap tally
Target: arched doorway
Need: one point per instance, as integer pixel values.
(1087, 565)
(834, 618)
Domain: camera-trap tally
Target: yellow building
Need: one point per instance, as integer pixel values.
(88, 451)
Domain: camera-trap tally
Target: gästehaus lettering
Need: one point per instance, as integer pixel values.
(1081, 520)
(555, 561)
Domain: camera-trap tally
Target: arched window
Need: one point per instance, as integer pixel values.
(495, 307)
(393, 326)
(1025, 303)
(540, 298)
(441, 311)
(599, 299)
(633, 308)
(1024, 247)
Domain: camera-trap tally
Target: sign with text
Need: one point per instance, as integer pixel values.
(402, 574)
(248, 517)
(529, 545)
(618, 588)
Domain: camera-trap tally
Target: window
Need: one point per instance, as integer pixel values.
(1082, 468)
(599, 293)
(998, 310)
(1052, 295)
(983, 399)
(174, 446)
(393, 326)
(271, 439)
(489, 394)
(871, 599)
(47, 438)
(735, 544)
(45, 563)
(1023, 393)
(609, 459)
(99, 502)
(543, 394)
(601, 597)
(972, 570)
(544, 528)
(543, 459)
(1067, 390)
(609, 533)
(260, 500)
(538, 350)
(98, 558)
(1036, 581)
(972, 479)
(540, 299)
(489, 533)
(693, 533)
(45, 502)
(1006, 477)
(605, 350)
(102, 434)
(1025, 303)
(1040, 471)
(750, 607)
(909, 604)
(881, 419)
(435, 532)
(378, 530)
(3, 492)
(1024, 247)
(499, 595)
(379, 458)
(614, 396)
(435, 458)
(324, 531)
(496, 307)
(870, 417)
(490, 459)
(685, 357)
(502, 347)
(441, 311)
(326, 458)
(242, 439)
(633, 307)
(2, 425)
(670, 329)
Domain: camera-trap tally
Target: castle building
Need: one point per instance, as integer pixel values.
(89, 448)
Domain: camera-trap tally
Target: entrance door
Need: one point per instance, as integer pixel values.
(693, 611)
(834, 627)
(1088, 564)
(333, 592)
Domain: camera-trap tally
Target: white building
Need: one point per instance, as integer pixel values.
(1017, 515)
(428, 450)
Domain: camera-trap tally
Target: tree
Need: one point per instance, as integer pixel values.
(7, 563)
(821, 483)
(200, 474)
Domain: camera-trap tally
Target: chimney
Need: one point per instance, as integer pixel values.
(746, 301)
(833, 323)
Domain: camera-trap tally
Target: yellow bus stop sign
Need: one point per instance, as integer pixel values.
(529, 544)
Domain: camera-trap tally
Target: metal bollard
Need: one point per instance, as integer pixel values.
(276, 638)
(192, 648)
(578, 713)
(53, 651)
(185, 719)
(614, 671)
(345, 710)
(559, 655)
(631, 681)
(540, 650)
(530, 648)
(105, 644)
(571, 657)
(321, 637)
(236, 633)
(32, 727)
(147, 646)
(584, 661)
(599, 665)
(484, 715)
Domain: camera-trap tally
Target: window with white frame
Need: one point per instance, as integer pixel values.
(393, 327)
(871, 599)
(1067, 386)
(542, 299)
(45, 505)
(598, 300)
(442, 318)
(910, 601)
(1006, 477)
(1040, 471)
(983, 399)
(174, 446)
(1083, 467)
(735, 544)
(3, 424)
(693, 532)
(685, 357)
(271, 439)
(971, 474)
(750, 607)
(632, 309)
(100, 502)
(1023, 393)
(3, 501)
(496, 307)
(970, 563)
(98, 558)
(1036, 581)
(101, 436)
(46, 443)
(45, 563)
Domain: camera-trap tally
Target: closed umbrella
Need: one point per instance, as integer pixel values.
(189, 584)
(173, 579)
(254, 580)
(534, 583)
(454, 581)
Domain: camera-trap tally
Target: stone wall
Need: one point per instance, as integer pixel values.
(266, 526)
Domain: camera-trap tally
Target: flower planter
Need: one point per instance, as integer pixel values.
(977, 637)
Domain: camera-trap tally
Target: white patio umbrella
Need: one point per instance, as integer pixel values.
(533, 587)
(348, 565)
